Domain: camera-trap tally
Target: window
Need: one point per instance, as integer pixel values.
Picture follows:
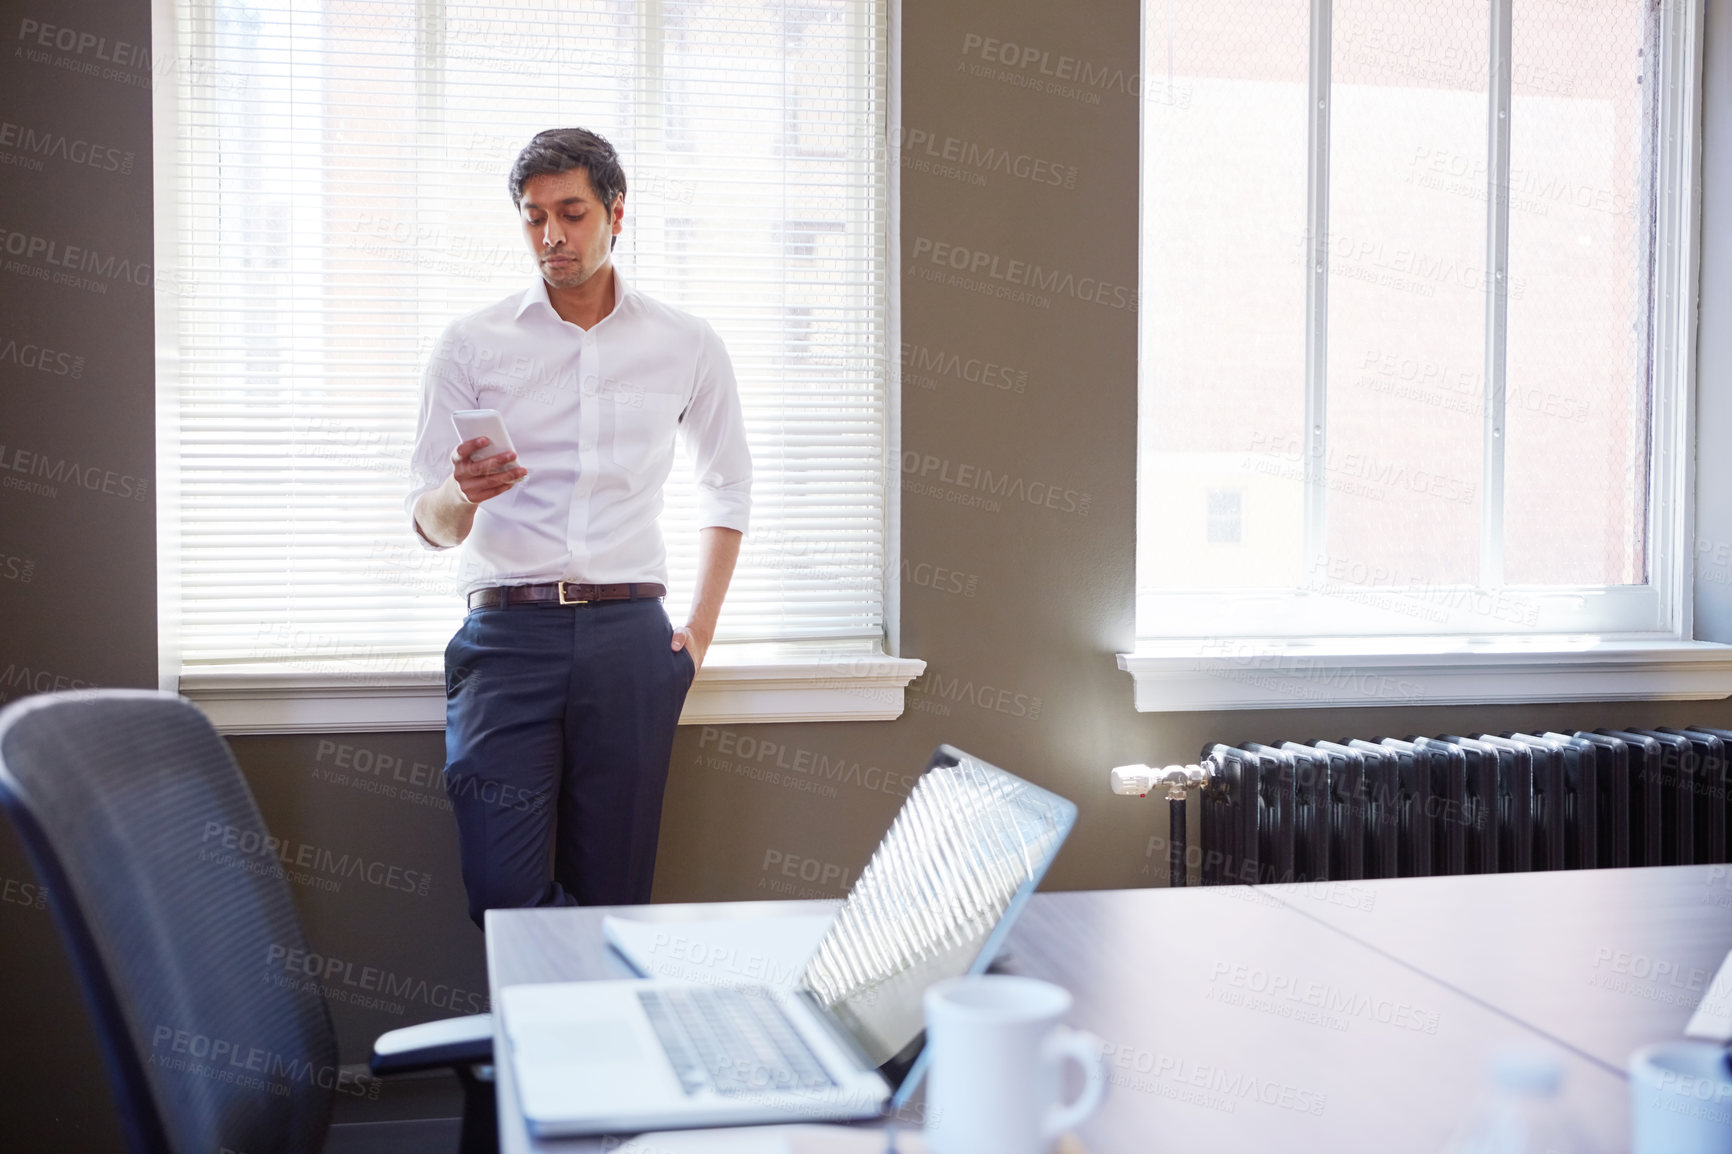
(1418, 285)
(337, 190)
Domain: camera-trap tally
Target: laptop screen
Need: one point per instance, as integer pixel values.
(936, 900)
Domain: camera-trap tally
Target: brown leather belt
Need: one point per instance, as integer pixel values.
(564, 593)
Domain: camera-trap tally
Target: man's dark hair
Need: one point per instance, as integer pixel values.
(562, 149)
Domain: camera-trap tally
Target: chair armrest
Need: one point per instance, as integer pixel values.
(431, 1045)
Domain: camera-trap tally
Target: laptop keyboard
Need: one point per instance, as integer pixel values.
(731, 1040)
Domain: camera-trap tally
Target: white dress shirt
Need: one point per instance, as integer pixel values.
(593, 414)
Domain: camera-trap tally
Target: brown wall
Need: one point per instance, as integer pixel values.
(1020, 641)
(77, 564)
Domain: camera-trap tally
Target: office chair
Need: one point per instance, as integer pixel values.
(136, 818)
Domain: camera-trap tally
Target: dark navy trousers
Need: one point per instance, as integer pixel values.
(559, 724)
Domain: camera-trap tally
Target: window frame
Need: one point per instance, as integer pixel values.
(795, 682)
(1263, 662)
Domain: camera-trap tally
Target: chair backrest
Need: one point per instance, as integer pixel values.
(168, 892)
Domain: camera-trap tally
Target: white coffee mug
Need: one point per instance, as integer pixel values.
(997, 1058)
(1680, 1099)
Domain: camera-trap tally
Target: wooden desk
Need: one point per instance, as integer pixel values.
(1603, 961)
(1266, 1035)
(1240, 1019)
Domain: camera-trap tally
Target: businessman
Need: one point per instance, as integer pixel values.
(566, 679)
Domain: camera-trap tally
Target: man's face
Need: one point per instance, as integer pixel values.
(567, 227)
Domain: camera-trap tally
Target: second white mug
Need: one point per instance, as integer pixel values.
(1681, 1099)
(998, 1050)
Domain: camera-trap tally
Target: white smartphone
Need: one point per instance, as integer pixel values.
(472, 423)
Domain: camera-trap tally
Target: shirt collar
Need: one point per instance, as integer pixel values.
(536, 294)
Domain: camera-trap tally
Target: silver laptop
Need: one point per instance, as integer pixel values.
(936, 901)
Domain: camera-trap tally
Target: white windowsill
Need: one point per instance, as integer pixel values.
(729, 689)
(1208, 675)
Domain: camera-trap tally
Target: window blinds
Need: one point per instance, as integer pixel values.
(340, 181)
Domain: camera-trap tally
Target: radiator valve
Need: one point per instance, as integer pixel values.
(1133, 779)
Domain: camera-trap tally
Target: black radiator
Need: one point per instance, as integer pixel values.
(1486, 803)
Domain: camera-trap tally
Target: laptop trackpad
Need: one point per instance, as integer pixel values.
(587, 1066)
(575, 1053)
(580, 1040)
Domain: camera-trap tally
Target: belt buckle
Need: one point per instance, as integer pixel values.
(563, 600)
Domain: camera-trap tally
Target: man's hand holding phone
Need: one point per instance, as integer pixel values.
(481, 477)
(484, 465)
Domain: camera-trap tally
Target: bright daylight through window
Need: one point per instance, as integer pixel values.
(1414, 343)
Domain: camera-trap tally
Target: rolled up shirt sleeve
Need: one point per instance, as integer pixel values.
(445, 388)
(713, 428)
